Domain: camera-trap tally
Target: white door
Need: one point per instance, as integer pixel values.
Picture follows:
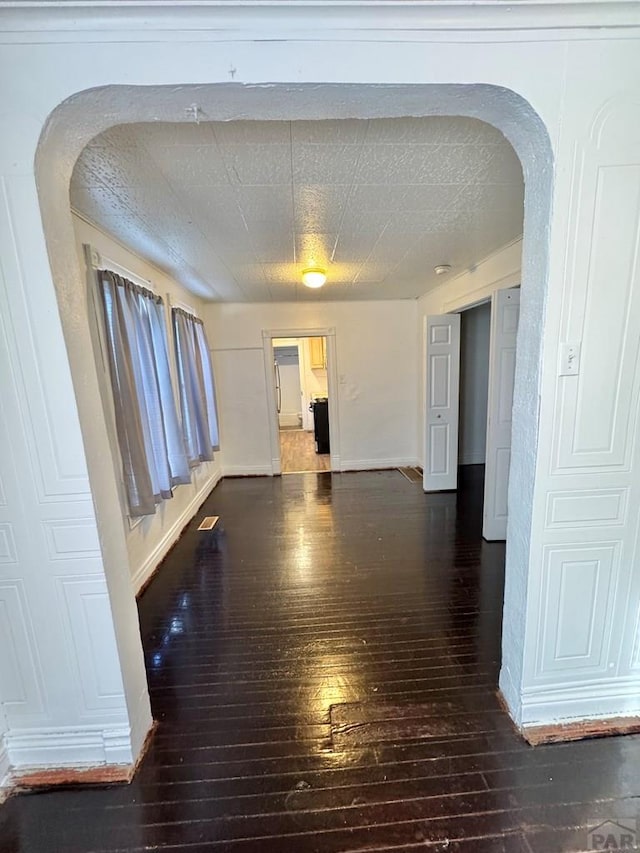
(442, 404)
(505, 312)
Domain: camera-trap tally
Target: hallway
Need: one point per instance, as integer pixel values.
(322, 668)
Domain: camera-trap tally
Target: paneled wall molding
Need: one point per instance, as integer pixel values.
(41, 379)
(597, 431)
(75, 539)
(142, 574)
(8, 551)
(60, 665)
(68, 746)
(91, 645)
(24, 692)
(575, 620)
(585, 608)
(586, 508)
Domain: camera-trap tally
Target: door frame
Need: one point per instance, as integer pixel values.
(329, 333)
(456, 307)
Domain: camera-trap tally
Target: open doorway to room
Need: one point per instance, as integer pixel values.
(301, 387)
(302, 404)
(399, 243)
(475, 328)
(470, 358)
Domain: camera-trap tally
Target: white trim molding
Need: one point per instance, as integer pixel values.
(425, 19)
(377, 464)
(249, 470)
(591, 700)
(68, 746)
(141, 576)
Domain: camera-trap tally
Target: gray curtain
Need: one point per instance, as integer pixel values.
(149, 433)
(197, 388)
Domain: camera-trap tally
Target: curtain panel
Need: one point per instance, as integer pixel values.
(147, 424)
(197, 388)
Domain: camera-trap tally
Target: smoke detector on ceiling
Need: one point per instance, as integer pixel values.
(442, 269)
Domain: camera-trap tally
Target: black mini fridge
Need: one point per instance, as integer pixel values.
(320, 409)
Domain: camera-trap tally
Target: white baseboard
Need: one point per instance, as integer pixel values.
(5, 769)
(289, 419)
(472, 459)
(247, 471)
(372, 464)
(148, 567)
(68, 746)
(337, 464)
(593, 700)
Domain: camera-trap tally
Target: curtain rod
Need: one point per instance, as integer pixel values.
(99, 262)
(176, 303)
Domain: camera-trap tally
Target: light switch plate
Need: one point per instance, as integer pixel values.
(569, 360)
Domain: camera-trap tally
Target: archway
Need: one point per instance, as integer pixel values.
(75, 122)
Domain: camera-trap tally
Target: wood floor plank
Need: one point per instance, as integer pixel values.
(298, 453)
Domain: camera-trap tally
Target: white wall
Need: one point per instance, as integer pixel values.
(474, 384)
(376, 366)
(149, 538)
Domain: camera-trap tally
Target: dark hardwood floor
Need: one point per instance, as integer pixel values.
(323, 669)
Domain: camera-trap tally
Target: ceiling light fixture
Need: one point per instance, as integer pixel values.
(314, 277)
(442, 269)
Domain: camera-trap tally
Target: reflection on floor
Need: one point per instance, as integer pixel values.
(298, 453)
(323, 670)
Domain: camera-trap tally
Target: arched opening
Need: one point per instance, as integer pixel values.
(85, 115)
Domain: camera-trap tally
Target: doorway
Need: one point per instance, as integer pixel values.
(475, 331)
(302, 404)
(470, 376)
(301, 384)
(87, 112)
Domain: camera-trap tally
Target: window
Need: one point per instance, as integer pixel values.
(196, 387)
(147, 424)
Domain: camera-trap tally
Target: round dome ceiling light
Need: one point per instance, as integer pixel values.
(442, 269)
(314, 277)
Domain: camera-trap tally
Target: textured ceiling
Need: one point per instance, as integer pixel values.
(236, 210)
